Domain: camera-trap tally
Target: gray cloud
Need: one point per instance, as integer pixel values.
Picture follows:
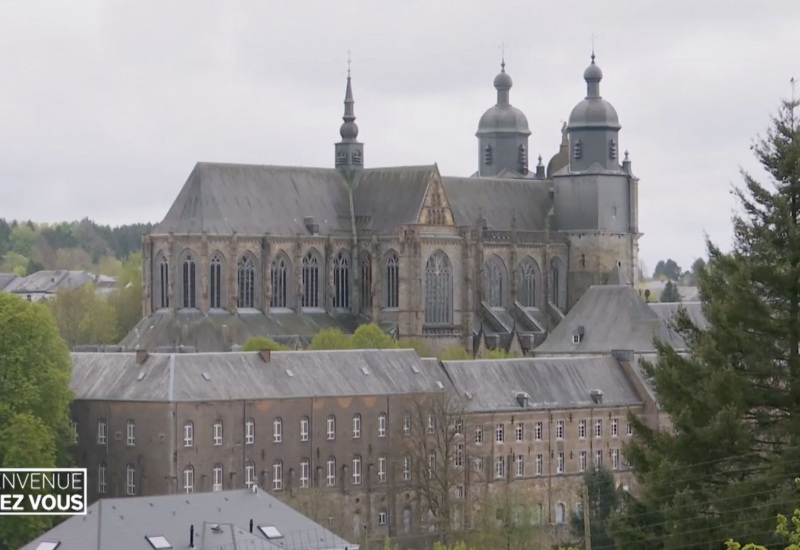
(106, 106)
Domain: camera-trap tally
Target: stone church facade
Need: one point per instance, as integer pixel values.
(499, 256)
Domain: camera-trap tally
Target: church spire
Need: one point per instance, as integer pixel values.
(349, 152)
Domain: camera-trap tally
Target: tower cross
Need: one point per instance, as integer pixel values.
(594, 36)
(348, 63)
(503, 52)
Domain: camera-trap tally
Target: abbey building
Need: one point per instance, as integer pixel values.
(500, 256)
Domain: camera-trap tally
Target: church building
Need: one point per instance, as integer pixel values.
(496, 259)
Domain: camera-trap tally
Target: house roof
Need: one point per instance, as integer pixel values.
(245, 375)
(5, 279)
(49, 281)
(123, 524)
(550, 382)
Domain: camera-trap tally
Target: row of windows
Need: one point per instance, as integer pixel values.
(518, 463)
(330, 429)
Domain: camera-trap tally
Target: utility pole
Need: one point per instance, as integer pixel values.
(587, 531)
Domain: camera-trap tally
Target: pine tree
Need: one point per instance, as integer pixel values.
(726, 468)
(670, 293)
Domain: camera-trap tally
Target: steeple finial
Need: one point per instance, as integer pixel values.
(349, 130)
(593, 37)
(503, 57)
(348, 63)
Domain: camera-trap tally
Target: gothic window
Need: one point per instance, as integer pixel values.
(487, 155)
(557, 293)
(280, 274)
(341, 280)
(612, 149)
(578, 149)
(523, 159)
(528, 277)
(391, 281)
(246, 277)
(366, 281)
(189, 272)
(341, 158)
(311, 279)
(163, 282)
(438, 289)
(215, 281)
(494, 282)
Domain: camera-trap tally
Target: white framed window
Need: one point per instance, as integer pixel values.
(277, 475)
(576, 338)
(218, 432)
(560, 463)
(615, 459)
(130, 433)
(130, 479)
(382, 425)
(356, 426)
(561, 512)
(614, 427)
(101, 478)
(188, 434)
(582, 461)
(630, 429)
(478, 435)
(598, 459)
(499, 433)
(304, 429)
(459, 459)
(407, 424)
(559, 429)
(250, 432)
(249, 474)
(500, 467)
(537, 431)
(188, 479)
(382, 515)
(356, 470)
(519, 432)
(431, 464)
(598, 428)
(459, 426)
(277, 430)
(330, 478)
(407, 468)
(431, 424)
(101, 432)
(74, 433)
(581, 429)
(537, 465)
(459, 492)
(331, 427)
(519, 465)
(478, 463)
(305, 471)
(216, 477)
(382, 469)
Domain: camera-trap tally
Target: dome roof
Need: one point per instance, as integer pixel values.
(503, 80)
(594, 111)
(503, 118)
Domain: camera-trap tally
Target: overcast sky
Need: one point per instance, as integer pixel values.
(106, 106)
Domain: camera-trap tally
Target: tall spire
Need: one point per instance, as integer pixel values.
(349, 152)
(593, 75)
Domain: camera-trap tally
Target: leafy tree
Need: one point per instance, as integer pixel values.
(669, 270)
(454, 353)
(14, 263)
(670, 293)
(417, 344)
(691, 275)
(5, 232)
(330, 338)
(733, 400)
(35, 428)
(21, 240)
(126, 298)
(509, 518)
(84, 317)
(370, 336)
(257, 343)
(603, 499)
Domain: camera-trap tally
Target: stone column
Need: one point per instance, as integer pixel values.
(467, 292)
(231, 281)
(173, 271)
(147, 275)
(327, 276)
(298, 275)
(204, 300)
(266, 274)
(376, 291)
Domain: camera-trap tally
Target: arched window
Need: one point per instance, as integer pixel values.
(438, 289)
(341, 280)
(281, 276)
(249, 474)
(130, 480)
(366, 281)
(560, 512)
(557, 293)
(277, 475)
(189, 281)
(216, 477)
(526, 289)
(494, 282)
(487, 155)
(391, 281)
(246, 275)
(163, 282)
(215, 281)
(311, 280)
(188, 479)
(406, 520)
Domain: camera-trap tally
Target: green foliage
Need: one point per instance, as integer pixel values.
(454, 353)
(330, 338)
(126, 298)
(84, 317)
(668, 270)
(35, 428)
(460, 545)
(509, 519)
(603, 500)
(733, 400)
(670, 293)
(418, 345)
(690, 276)
(788, 529)
(257, 343)
(21, 240)
(370, 336)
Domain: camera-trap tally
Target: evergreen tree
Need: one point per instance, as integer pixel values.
(727, 466)
(603, 500)
(670, 293)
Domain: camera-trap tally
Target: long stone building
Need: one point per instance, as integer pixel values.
(349, 437)
(284, 251)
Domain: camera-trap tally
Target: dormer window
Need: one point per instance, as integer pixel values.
(487, 155)
(357, 157)
(578, 150)
(612, 149)
(576, 338)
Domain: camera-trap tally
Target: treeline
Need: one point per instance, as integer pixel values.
(27, 247)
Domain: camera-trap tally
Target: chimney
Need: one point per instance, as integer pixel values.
(191, 536)
(265, 355)
(523, 399)
(251, 525)
(312, 227)
(597, 397)
(141, 356)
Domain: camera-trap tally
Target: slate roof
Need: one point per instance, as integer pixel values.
(5, 279)
(389, 197)
(551, 382)
(616, 317)
(219, 331)
(244, 375)
(123, 524)
(47, 282)
(496, 199)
